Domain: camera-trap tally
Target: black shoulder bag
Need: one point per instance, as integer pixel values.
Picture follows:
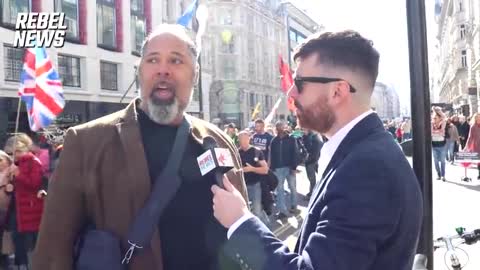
(100, 250)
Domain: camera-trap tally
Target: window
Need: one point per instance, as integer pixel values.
(69, 70)
(137, 25)
(13, 61)
(229, 68)
(70, 8)
(106, 20)
(251, 100)
(9, 10)
(464, 58)
(460, 5)
(251, 71)
(462, 31)
(296, 36)
(108, 75)
(226, 16)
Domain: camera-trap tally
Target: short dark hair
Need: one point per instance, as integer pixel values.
(346, 49)
(259, 121)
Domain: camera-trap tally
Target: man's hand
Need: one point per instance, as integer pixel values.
(228, 204)
(248, 168)
(41, 193)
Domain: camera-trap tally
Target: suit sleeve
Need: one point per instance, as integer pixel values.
(354, 218)
(64, 211)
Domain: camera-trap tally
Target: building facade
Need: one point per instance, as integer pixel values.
(241, 56)
(97, 63)
(458, 54)
(385, 101)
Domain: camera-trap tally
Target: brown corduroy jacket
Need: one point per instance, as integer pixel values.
(103, 176)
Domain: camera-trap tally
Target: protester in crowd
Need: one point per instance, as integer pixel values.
(255, 168)
(232, 131)
(283, 161)
(313, 144)
(473, 142)
(407, 129)
(463, 131)
(367, 213)
(439, 141)
(262, 139)
(452, 138)
(26, 211)
(6, 245)
(108, 167)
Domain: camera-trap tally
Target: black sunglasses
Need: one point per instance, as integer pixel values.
(300, 80)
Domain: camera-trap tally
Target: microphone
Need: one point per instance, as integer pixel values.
(215, 159)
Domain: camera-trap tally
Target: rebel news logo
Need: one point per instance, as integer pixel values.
(40, 29)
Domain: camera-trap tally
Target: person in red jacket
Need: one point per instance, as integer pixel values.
(28, 208)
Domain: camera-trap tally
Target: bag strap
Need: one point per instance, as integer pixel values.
(165, 187)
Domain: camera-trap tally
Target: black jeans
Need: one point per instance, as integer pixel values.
(24, 243)
(311, 174)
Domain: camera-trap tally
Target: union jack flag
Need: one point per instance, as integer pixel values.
(40, 89)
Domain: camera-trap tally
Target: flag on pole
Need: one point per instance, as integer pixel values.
(272, 113)
(286, 82)
(256, 111)
(188, 14)
(40, 89)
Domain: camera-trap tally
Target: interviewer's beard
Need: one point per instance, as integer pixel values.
(319, 116)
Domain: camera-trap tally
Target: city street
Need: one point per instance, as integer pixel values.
(454, 205)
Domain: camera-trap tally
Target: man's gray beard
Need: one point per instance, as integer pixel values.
(163, 113)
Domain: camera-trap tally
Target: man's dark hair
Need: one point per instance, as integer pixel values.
(344, 49)
(259, 121)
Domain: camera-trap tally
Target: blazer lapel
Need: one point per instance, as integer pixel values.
(140, 184)
(370, 124)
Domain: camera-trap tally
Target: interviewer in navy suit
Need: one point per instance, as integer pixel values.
(366, 210)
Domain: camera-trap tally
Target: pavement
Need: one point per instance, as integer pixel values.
(455, 204)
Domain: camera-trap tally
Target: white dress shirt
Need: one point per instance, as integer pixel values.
(326, 154)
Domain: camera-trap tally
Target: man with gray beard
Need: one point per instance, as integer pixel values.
(108, 167)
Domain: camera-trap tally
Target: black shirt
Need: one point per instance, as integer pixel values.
(251, 156)
(262, 142)
(191, 237)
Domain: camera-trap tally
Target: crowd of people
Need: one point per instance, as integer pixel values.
(268, 153)
(453, 134)
(25, 168)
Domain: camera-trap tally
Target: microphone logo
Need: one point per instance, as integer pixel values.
(206, 162)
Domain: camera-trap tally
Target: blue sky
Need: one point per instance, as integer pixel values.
(382, 21)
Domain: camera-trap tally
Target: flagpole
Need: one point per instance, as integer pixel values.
(128, 89)
(19, 106)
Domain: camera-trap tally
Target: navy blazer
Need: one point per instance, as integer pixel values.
(366, 213)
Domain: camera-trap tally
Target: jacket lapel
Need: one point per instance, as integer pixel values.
(129, 132)
(367, 126)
